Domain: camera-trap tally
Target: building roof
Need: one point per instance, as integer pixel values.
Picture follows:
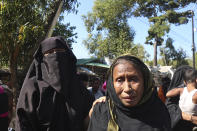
(92, 62)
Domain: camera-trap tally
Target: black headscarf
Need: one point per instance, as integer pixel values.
(172, 103)
(148, 82)
(177, 78)
(52, 97)
(57, 69)
(115, 116)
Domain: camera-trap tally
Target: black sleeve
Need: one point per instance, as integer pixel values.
(174, 110)
(26, 119)
(88, 101)
(172, 104)
(100, 117)
(4, 103)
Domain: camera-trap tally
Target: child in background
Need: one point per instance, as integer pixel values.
(188, 94)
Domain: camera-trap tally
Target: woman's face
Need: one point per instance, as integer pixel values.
(128, 83)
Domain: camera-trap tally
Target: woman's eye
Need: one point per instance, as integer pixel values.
(134, 79)
(120, 80)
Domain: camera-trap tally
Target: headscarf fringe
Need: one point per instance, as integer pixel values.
(112, 125)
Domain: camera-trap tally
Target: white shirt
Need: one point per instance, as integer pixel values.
(185, 102)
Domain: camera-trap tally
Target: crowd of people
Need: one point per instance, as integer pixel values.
(55, 97)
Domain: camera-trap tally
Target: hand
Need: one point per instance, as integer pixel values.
(99, 100)
(188, 117)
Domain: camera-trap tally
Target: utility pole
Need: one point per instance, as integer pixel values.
(193, 45)
(155, 44)
(155, 52)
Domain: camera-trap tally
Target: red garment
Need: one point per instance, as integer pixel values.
(161, 94)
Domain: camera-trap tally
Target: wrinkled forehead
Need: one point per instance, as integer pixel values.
(137, 64)
(124, 61)
(53, 43)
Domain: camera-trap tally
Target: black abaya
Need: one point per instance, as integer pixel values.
(52, 98)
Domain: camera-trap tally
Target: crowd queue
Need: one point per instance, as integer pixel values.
(55, 97)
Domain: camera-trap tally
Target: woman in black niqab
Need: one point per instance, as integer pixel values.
(52, 98)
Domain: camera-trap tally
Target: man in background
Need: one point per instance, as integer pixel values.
(95, 88)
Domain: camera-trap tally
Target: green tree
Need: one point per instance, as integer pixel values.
(66, 31)
(160, 14)
(109, 32)
(107, 15)
(190, 61)
(168, 52)
(171, 56)
(23, 24)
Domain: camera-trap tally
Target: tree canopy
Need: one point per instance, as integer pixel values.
(23, 25)
(107, 17)
(109, 32)
(171, 56)
(161, 14)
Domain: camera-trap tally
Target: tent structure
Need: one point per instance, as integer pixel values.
(96, 65)
(86, 70)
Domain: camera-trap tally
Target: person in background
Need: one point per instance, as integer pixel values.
(103, 89)
(131, 101)
(52, 97)
(4, 120)
(180, 121)
(165, 82)
(188, 94)
(95, 89)
(9, 93)
(84, 78)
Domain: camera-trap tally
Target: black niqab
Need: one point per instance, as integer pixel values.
(52, 98)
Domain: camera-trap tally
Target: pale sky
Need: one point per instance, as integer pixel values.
(182, 35)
